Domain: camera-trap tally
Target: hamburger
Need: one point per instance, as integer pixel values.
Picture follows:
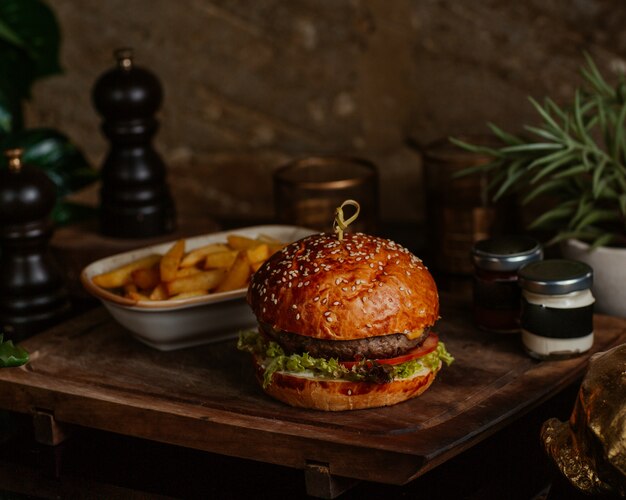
(344, 324)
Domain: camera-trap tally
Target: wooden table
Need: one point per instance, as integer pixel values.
(91, 372)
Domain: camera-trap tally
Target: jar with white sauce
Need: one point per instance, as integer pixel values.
(557, 308)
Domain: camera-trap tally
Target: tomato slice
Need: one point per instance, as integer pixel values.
(428, 346)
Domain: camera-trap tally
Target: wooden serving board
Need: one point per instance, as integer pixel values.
(91, 372)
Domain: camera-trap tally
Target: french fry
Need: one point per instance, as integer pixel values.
(265, 238)
(171, 260)
(255, 266)
(186, 295)
(187, 271)
(159, 292)
(274, 244)
(238, 242)
(122, 275)
(129, 288)
(216, 267)
(198, 254)
(137, 296)
(275, 247)
(237, 275)
(205, 280)
(220, 260)
(258, 253)
(146, 278)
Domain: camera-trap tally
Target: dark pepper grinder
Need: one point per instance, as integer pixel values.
(32, 292)
(135, 201)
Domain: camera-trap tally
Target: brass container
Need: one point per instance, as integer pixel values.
(307, 191)
(459, 211)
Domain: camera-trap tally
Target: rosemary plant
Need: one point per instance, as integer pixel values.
(576, 156)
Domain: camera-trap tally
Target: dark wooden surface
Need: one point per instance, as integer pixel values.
(90, 372)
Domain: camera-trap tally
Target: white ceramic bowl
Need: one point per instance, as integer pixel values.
(175, 324)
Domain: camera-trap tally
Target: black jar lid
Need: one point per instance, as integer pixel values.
(556, 276)
(506, 253)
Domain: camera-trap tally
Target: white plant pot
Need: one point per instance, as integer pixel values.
(609, 274)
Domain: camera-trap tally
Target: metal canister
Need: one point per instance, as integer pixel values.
(496, 292)
(308, 190)
(459, 210)
(557, 308)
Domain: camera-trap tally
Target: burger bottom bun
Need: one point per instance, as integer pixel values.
(339, 395)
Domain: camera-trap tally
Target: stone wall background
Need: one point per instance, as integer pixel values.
(250, 84)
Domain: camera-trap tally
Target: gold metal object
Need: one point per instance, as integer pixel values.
(590, 449)
(15, 159)
(124, 57)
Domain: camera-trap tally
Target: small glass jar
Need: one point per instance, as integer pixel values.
(496, 292)
(557, 308)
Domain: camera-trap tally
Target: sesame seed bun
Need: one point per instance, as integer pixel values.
(360, 287)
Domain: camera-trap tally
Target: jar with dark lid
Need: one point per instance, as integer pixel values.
(557, 308)
(496, 292)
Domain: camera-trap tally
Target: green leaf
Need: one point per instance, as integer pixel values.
(576, 154)
(566, 235)
(496, 179)
(563, 211)
(593, 76)
(571, 171)
(618, 136)
(601, 241)
(533, 146)
(595, 216)
(553, 108)
(581, 128)
(10, 117)
(546, 116)
(11, 355)
(483, 167)
(504, 136)
(8, 35)
(474, 148)
(584, 206)
(602, 119)
(545, 134)
(598, 182)
(69, 213)
(549, 164)
(544, 188)
(586, 161)
(514, 174)
(29, 49)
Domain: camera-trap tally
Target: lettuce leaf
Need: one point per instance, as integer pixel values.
(274, 360)
(10, 354)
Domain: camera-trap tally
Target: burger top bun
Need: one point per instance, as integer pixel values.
(358, 287)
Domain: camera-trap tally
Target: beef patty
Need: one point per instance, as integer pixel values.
(384, 346)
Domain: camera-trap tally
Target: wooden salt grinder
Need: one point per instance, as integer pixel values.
(32, 293)
(134, 199)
